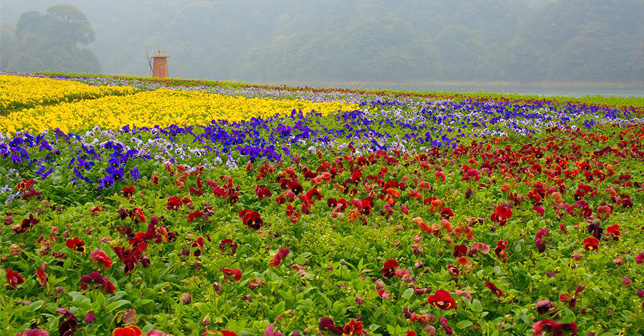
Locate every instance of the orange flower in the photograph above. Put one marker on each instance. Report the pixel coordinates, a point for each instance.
(127, 331)
(465, 231)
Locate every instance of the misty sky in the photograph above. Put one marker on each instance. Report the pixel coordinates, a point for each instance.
(334, 41)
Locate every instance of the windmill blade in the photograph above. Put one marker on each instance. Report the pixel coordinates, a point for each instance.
(149, 63)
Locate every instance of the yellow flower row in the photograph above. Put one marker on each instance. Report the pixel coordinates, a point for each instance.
(161, 107)
(18, 92)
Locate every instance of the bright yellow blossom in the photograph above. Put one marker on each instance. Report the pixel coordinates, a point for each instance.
(161, 107)
(17, 92)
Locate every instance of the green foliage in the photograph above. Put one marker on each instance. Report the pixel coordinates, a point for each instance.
(51, 42)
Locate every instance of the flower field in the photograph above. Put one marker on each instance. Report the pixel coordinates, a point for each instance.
(135, 207)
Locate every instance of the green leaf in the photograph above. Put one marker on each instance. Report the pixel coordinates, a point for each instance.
(463, 324)
(477, 306)
(115, 305)
(518, 246)
(568, 317)
(408, 293)
(37, 304)
(279, 307)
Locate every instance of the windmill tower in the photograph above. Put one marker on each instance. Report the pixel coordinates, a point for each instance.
(158, 65)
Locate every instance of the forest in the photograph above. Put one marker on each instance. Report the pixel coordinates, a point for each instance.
(343, 41)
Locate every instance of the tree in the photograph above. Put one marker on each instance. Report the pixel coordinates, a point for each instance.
(51, 42)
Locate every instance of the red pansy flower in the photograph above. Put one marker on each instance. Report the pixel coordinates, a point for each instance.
(128, 192)
(447, 213)
(102, 258)
(352, 328)
(441, 300)
(591, 244)
(313, 195)
(228, 244)
(194, 215)
(326, 323)
(460, 250)
(95, 279)
(174, 203)
(389, 268)
(262, 191)
(495, 290)
(13, 278)
(42, 276)
(26, 224)
(571, 299)
(236, 273)
(279, 256)
(251, 219)
(556, 327)
(24, 185)
(613, 230)
(76, 244)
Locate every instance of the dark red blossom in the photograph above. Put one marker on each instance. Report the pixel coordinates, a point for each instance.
(544, 306)
(251, 219)
(195, 215)
(389, 268)
(26, 224)
(539, 239)
(42, 276)
(441, 300)
(352, 328)
(198, 246)
(76, 244)
(31, 193)
(128, 192)
(571, 299)
(327, 324)
(448, 330)
(235, 274)
(557, 328)
(13, 278)
(447, 213)
(501, 245)
(613, 230)
(262, 191)
(228, 244)
(313, 196)
(174, 203)
(131, 257)
(501, 215)
(24, 185)
(94, 279)
(68, 323)
(102, 258)
(494, 289)
(279, 256)
(591, 244)
(460, 250)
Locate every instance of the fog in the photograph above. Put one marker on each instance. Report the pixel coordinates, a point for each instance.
(335, 42)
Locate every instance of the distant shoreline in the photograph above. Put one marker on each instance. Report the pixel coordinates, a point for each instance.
(509, 84)
(574, 88)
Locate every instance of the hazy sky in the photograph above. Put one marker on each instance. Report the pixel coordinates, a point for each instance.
(335, 41)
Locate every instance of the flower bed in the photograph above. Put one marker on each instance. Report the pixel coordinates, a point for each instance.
(394, 216)
(18, 92)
